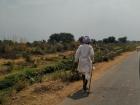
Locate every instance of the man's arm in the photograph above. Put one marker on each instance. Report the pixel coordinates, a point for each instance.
(92, 54)
(77, 54)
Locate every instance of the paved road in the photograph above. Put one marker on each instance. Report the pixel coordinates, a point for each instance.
(118, 86)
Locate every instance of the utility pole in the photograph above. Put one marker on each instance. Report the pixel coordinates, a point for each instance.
(138, 50)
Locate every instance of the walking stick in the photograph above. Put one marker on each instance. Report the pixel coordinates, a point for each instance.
(91, 73)
(90, 79)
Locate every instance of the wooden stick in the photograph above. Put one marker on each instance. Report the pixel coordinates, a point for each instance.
(90, 79)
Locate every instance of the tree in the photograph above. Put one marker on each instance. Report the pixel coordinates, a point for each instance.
(110, 39)
(122, 39)
(93, 41)
(61, 38)
(105, 40)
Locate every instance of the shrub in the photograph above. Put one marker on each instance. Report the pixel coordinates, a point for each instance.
(98, 57)
(2, 100)
(20, 85)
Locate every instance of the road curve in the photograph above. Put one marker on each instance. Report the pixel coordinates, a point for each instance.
(119, 86)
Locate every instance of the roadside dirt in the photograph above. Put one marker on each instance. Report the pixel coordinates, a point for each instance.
(53, 92)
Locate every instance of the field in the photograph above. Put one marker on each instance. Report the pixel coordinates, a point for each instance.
(28, 66)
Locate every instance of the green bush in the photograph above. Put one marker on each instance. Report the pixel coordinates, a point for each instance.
(8, 82)
(20, 85)
(2, 100)
(34, 75)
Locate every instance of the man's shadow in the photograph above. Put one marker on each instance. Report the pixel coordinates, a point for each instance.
(79, 95)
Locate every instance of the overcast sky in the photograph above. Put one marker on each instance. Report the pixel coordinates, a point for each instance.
(37, 19)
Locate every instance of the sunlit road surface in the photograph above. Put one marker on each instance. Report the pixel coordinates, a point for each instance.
(119, 86)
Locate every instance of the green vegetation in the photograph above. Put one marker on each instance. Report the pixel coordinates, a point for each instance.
(24, 64)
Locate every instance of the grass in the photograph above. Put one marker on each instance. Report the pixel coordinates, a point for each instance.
(57, 68)
(31, 75)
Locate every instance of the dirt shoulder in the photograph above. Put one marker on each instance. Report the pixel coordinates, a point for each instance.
(53, 92)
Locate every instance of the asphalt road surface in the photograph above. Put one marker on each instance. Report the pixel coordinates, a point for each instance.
(119, 86)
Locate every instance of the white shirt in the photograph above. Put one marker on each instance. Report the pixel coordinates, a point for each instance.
(85, 56)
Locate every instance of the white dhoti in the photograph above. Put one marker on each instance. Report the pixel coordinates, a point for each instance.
(85, 67)
(84, 55)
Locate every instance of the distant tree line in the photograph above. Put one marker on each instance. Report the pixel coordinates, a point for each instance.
(112, 39)
(58, 42)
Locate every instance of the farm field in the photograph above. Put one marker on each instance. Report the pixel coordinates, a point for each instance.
(26, 64)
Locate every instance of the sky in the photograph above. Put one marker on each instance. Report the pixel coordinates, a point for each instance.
(38, 19)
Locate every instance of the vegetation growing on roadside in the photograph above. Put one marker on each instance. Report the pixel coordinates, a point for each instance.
(38, 64)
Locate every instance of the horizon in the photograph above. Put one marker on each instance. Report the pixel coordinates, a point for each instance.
(37, 20)
(23, 39)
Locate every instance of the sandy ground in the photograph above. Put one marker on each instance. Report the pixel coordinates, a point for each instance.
(44, 94)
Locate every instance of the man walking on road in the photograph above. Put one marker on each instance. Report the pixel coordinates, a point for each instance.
(84, 57)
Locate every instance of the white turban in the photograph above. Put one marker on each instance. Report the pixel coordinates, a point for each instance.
(86, 39)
